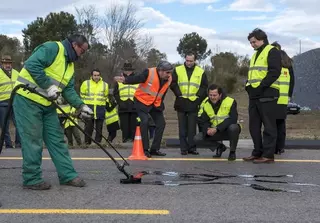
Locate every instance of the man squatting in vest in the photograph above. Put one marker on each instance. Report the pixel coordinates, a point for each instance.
(148, 99)
(8, 76)
(50, 71)
(286, 82)
(94, 93)
(218, 121)
(69, 128)
(189, 84)
(263, 90)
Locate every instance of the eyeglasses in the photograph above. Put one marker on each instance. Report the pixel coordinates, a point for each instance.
(82, 50)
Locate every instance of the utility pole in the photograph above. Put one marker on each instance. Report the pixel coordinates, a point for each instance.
(300, 46)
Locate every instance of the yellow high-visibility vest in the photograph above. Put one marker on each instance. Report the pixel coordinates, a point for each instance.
(7, 84)
(223, 113)
(59, 74)
(126, 91)
(94, 93)
(284, 83)
(70, 111)
(111, 117)
(189, 88)
(258, 70)
(201, 106)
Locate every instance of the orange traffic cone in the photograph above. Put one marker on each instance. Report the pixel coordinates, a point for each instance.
(137, 150)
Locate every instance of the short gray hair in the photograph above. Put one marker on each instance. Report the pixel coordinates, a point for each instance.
(164, 65)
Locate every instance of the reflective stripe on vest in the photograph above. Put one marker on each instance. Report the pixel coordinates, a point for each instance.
(222, 114)
(284, 83)
(95, 94)
(111, 117)
(149, 92)
(259, 68)
(6, 85)
(126, 91)
(57, 72)
(189, 88)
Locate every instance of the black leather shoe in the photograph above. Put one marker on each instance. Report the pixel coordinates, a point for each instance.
(232, 156)
(157, 153)
(220, 149)
(193, 152)
(147, 153)
(184, 153)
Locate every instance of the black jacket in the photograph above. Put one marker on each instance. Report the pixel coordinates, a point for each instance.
(274, 70)
(282, 109)
(204, 119)
(292, 82)
(111, 104)
(184, 104)
(141, 78)
(123, 106)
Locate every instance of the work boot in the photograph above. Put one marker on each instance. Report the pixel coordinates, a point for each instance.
(157, 153)
(232, 156)
(250, 158)
(279, 151)
(220, 149)
(39, 186)
(147, 153)
(193, 152)
(263, 160)
(76, 182)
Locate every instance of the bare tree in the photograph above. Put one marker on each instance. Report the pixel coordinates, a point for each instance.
(89, 22)
(115, 37)
(144, 45)
(122, 33)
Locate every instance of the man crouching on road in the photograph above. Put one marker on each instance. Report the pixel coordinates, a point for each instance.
(219, 122)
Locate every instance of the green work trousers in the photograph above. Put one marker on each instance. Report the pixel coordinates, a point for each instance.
(37, 123)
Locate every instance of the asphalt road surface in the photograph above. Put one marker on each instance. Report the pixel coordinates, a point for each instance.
(174, 188)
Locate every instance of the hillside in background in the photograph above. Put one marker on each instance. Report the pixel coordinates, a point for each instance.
(307, 75)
